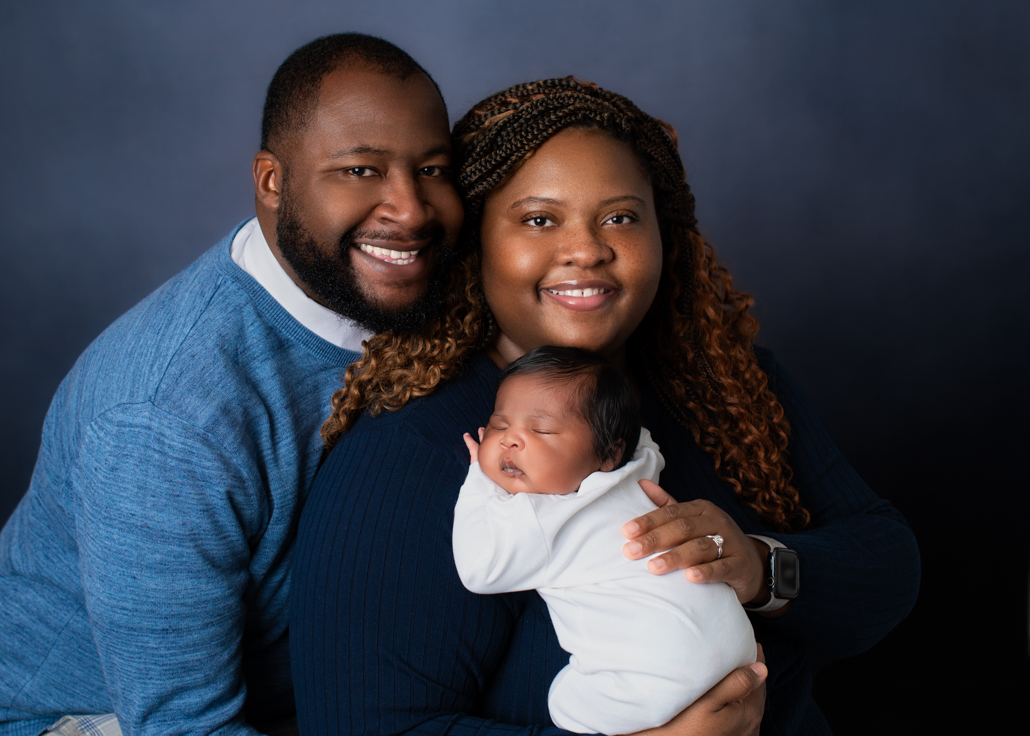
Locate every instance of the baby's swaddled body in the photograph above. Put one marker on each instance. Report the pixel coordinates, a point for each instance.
(643, 646)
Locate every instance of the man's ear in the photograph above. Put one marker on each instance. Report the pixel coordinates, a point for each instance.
(614, 457)
(268, 177)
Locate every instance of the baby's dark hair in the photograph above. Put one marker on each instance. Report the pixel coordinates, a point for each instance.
(606, 399)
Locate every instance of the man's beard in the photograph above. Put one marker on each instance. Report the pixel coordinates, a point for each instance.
(331, 277)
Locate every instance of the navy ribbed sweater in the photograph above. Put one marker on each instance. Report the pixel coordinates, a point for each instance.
(385, 640)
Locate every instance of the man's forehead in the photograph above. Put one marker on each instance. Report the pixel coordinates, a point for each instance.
(361, 109)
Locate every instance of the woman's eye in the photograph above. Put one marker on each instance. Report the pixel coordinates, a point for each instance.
(621, 219)
(538, 221)
(432, 171)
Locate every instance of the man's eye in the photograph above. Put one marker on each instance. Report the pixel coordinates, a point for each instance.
(432, 171)
(361, 171)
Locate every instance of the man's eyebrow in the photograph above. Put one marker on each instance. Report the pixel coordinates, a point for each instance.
(365, 150)
(440, 150)
(534, 200)
(359, 151)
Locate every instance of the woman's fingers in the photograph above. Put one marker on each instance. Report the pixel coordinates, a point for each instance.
(654, 492)
(697, 551)
(683, 534)
(671, 526)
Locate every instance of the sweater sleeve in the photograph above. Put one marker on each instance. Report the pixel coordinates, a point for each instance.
(498, 544)
(164, 565)
(859, 562)
(384, 638)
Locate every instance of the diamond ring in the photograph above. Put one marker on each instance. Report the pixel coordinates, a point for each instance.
(717, 538)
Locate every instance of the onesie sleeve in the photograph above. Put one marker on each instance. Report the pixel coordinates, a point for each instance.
(859, 561)
(164, 555)
(384, 637)
(499, 546)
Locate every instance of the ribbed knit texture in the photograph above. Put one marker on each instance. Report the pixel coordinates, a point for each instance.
(146, 570)
(385, 639)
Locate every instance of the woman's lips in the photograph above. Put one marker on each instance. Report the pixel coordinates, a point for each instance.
(580, 296)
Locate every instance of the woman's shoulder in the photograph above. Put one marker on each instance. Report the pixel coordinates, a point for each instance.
(457, 406)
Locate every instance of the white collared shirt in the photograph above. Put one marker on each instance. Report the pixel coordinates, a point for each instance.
(250, 251)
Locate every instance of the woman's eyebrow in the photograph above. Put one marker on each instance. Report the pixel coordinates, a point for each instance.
(623, 198)
(534, 200)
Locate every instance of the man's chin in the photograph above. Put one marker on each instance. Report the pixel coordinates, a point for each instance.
(405, 314)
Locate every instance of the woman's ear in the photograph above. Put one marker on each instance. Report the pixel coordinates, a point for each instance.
(613, 457)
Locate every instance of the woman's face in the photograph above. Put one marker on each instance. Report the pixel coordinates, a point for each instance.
(571, 249)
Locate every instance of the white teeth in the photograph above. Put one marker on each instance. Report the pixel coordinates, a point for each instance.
(397, 257)
(579, 292)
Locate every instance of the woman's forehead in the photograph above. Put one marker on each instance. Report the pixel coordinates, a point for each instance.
(576, 165)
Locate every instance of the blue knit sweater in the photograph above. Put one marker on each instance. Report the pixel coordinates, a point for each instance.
(146, 570)
(387, 641)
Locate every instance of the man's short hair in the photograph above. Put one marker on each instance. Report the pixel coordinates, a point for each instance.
(606, 400)
(293, 92)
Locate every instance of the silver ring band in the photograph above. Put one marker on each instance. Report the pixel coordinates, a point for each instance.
(717, 538)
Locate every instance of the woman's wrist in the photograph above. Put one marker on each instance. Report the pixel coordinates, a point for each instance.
(764, 603)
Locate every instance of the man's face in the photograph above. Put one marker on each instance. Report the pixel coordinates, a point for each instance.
(368, 209)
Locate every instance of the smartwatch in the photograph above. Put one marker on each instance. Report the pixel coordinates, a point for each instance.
(784, 577)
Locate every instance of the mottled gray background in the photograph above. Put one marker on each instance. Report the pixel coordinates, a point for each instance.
(861, 167)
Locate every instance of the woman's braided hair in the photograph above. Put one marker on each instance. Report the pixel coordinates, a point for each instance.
(697, 336)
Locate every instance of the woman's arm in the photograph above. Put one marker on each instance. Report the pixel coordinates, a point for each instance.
(859, 562)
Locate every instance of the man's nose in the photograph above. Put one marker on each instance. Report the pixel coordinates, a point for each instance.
(404, 203)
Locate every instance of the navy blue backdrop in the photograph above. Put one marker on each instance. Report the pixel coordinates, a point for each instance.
(862, 169)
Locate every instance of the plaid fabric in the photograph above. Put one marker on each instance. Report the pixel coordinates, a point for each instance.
(99, 725)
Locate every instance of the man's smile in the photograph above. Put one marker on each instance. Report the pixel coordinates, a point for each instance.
(388, 255)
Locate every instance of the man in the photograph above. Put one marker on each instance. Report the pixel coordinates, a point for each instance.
(145, 573)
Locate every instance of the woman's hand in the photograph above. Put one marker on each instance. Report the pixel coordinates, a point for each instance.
(681, 528)
(734, 707)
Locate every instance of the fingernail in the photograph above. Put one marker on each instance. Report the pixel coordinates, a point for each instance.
(694, 574)
(759, 669)
(631, 528)
(657, 564)
(634, 548)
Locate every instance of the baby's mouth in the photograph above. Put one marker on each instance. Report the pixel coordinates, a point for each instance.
(511, 469)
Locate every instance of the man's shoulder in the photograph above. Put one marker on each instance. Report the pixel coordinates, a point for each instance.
(133, 353)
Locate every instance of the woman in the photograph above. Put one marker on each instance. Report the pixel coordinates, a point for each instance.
(580, 231)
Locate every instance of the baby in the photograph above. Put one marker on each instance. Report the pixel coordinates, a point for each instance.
(547, 493)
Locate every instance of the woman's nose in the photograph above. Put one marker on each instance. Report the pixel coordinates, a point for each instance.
(583, 246)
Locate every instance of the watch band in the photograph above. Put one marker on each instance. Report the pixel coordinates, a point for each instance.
(774, 603)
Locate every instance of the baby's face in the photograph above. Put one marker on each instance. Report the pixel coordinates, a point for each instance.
(537, 441)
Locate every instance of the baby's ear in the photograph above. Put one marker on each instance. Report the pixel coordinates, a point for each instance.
(614, 457)
(482, 431)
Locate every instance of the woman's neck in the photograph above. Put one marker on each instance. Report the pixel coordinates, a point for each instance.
(504, 351)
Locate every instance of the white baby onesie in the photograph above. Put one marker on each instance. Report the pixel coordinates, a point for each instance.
(643, 646)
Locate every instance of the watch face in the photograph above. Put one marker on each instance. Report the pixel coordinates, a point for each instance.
(785, 573)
